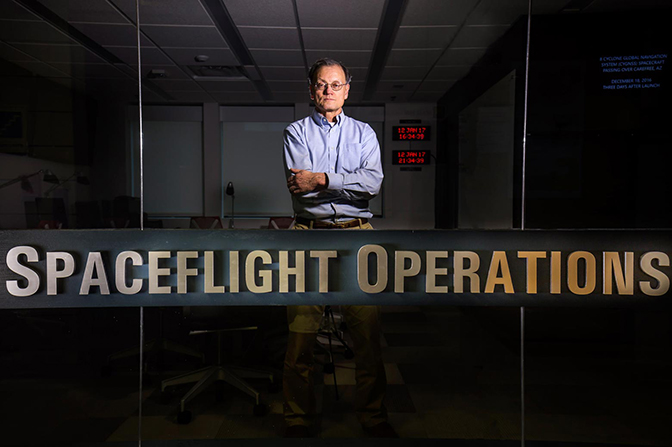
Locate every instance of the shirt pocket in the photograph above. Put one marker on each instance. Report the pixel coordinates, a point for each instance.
(350, 155)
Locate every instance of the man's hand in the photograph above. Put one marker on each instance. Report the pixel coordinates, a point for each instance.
(301, 181)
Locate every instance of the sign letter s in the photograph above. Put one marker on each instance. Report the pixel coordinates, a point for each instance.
(20, 269)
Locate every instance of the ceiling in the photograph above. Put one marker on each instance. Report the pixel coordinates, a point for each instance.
(397, 50)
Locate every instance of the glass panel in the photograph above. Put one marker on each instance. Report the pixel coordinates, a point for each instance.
(61, 373)
(481, 119)
(486, 146)
(172, 149)
(442, 364)
(597, 143)
(598, 134)
(64, 136)
(67, 81)
(459, 367)
(597, 376)
(189, 343)
(206, 53)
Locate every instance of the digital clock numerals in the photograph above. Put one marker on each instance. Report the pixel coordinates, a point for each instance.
(411, 157)
(411, 133)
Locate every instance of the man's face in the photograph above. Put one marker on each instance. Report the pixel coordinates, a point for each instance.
(326, 99)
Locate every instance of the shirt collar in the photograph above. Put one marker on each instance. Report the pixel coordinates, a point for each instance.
(321, 121)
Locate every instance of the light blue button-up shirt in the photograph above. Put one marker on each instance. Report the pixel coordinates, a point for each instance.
(348, 152)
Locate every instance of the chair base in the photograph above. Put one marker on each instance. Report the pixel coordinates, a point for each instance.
(204, 377)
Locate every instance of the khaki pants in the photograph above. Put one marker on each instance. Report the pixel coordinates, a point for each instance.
(298, 386)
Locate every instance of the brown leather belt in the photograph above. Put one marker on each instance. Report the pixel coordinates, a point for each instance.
(311, 223)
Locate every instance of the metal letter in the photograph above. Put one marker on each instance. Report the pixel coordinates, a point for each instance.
(94, 262)
(573, 274)
(234, 271)
(265, 275)
(323, 266)
(120, 273)
(30, 275)
(532, 257)
(52, 269)
(556, 265)
(363, 268)
(433, 272)
(498, 262)
(183, 271)
(649, 269)
(611, 267)
(461, 272)
(400, 272)
(299, 270)
(155, 272)
(209, 276)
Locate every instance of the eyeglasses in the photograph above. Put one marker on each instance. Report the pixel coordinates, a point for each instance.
(336, 86)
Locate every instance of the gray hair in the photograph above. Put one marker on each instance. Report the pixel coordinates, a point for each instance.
(326, 62)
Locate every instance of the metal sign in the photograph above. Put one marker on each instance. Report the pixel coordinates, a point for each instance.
(111, 268)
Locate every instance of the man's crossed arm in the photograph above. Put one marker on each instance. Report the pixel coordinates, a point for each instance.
(302, 181)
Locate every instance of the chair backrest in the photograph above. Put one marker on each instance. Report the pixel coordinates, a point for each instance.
(52, 208)
(49, 225)
(119, 222)
(280, 223)
(206, 222)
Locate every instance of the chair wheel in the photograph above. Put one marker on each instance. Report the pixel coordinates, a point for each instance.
(329, 368)
(259, 410)
(184, 417)
(348, 354)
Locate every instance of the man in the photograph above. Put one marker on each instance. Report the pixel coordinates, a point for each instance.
(334, 169)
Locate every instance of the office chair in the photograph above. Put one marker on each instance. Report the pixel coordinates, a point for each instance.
(206, 223)
(49, 225)
(52, 209)
(209, 320)
(280, 223)
(153, 349)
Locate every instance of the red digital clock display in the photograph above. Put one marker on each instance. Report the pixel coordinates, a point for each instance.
(410, 133)
(412, 158)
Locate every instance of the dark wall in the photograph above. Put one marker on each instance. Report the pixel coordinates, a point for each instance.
(596, 157)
